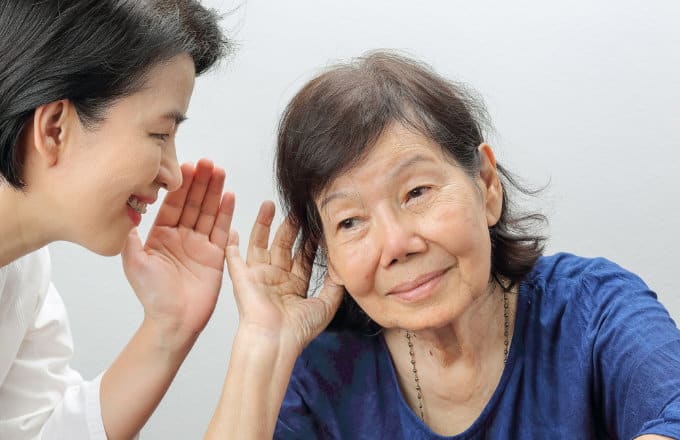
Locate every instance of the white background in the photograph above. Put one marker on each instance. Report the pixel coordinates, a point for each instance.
(583, 95)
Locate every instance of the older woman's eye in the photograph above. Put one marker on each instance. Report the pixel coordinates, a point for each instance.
(417, 192)
(348, 223)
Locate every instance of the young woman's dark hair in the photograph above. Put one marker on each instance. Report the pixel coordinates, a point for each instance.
(333, 122)
(91, 52)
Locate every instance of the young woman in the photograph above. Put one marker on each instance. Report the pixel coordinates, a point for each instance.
(91, 96)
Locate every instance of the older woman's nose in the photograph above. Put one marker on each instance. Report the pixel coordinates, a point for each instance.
(400, 238)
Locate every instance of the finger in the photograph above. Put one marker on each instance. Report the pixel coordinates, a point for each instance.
(173, 204)
(304, 262)
(282, 245)
(194, 199)
(329, 300)
(211, 202)
(331, 294)
(233, 255)
(220, 231)
(258, 244)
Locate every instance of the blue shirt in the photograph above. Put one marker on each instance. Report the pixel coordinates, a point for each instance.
(594, 355)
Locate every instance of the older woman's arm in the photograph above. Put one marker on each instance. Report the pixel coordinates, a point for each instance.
(636, 355)
(276, 322)
(259, 370)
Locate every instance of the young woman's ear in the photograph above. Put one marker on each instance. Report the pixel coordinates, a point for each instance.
(492, 188)
(50, 128)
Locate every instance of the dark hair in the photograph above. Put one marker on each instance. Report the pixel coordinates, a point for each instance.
(91, 52)
(332, 123)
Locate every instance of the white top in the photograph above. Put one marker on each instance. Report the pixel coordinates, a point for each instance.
(41, 397)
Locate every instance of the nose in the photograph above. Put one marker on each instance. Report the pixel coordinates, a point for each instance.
(170, 174)
(399, 236)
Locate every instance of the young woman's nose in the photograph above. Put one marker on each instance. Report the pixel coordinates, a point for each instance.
(170, 175)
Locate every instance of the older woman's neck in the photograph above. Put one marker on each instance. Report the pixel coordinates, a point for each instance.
(470, 337)
(21, 230)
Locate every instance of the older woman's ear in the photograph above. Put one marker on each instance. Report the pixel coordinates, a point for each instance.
(491, 184)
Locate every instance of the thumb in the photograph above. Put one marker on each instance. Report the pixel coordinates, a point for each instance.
(132, 252)
(331, 295)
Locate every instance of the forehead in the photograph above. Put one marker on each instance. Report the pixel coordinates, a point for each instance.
(397, 147)
(396, 151)
(165, 94)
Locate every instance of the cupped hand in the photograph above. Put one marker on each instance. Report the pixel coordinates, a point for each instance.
(271, 285)
(177, 273)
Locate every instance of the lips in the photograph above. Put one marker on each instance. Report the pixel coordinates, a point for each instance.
(423, 282)
(137, 205)
(140, 203)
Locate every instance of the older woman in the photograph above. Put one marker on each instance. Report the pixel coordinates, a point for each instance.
(451, 324)
(91, 96)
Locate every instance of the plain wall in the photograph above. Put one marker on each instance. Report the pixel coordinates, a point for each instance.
(583, 95)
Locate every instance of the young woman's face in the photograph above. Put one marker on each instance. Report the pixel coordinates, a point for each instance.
(406, 232)
(112, 171)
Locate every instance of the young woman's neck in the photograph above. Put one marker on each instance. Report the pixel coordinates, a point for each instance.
(21, 228)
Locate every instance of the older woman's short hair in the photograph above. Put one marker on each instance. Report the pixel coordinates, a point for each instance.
(91, 52)
(333, 122)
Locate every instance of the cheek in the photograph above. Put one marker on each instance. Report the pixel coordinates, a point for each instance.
(463, 233)
(354, 265)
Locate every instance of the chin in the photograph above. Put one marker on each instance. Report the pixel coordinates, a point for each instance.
(109, 247)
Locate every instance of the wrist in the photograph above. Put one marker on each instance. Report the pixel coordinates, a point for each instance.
(168, 338)
(267, 339)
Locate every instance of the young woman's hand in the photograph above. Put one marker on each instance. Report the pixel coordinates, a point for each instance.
(177, 273)
(271, 286)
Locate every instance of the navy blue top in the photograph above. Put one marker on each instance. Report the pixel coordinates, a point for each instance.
(594, 355)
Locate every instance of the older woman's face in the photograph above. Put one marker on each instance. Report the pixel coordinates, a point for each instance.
(407, 231)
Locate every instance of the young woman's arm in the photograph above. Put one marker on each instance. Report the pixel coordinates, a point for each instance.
(177, 276)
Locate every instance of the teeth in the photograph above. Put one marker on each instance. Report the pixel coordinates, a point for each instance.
(134, 203)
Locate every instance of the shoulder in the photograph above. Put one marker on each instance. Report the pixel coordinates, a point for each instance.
(26, 279)
(564, 275)
(568, 291)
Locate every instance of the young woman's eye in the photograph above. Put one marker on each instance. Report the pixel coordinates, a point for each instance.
(417, 192)
(348, 223)
(160, 136)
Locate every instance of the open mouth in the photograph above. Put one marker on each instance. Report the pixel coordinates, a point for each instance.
(137, 205)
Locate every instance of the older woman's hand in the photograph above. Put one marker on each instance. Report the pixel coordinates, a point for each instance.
(177, 274)
(271, 286)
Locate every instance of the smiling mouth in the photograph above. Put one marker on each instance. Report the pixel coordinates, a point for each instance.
(137, 205)
(421, 281)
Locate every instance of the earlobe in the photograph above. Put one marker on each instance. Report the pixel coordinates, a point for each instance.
(488, 173)
(49, 130)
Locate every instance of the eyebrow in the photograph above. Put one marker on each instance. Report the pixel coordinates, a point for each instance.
(418, 158)
(392, 175)
(176, 116)
(334, 196)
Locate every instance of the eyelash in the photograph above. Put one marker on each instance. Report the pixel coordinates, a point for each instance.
(347, 223)
(419, 190)
(160, 136)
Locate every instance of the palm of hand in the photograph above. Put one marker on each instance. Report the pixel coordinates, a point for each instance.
(177, 274)
(271, 286)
